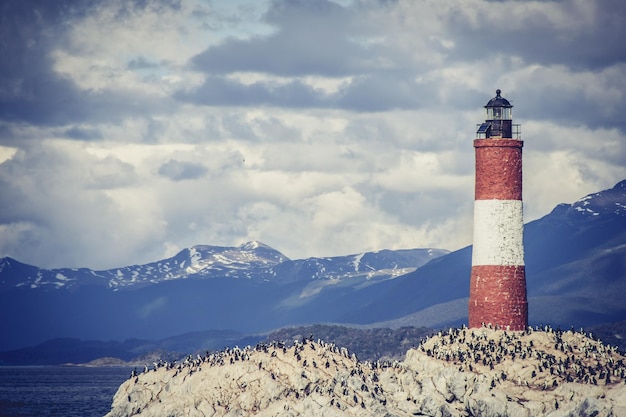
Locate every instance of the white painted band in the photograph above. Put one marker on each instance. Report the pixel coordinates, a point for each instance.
(498, 233)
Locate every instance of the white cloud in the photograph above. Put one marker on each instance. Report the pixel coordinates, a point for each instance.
(319, 128)
(6, 153)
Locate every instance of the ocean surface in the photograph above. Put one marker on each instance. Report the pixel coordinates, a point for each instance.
(68, 391)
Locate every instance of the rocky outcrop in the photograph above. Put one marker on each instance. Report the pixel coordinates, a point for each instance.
(462, 372)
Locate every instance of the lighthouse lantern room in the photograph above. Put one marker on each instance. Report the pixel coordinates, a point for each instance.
(498, 122)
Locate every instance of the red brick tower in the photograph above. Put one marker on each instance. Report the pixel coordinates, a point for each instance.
(498, 281)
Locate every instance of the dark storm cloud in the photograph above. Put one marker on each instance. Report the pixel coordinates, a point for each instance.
(581, 35)
(312, 38)
(179, 170)
(369, 93)
(323, 38)
(218, 90)
(50, 100)
(82, 133)
(30, 90)
(576, 48)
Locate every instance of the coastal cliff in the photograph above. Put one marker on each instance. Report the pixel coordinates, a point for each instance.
(460, 372)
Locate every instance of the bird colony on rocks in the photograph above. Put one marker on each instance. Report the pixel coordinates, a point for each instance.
(459, 372)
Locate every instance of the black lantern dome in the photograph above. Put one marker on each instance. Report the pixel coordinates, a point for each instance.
(498, 121)
(498, 101)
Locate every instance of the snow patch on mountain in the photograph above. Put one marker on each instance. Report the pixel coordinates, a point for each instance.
(253, 245)
(194, 262)
(357, 261)
(251, 261)
(62, 277)
(607, 202)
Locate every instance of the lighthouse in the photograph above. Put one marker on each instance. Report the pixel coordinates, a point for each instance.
(498, 278)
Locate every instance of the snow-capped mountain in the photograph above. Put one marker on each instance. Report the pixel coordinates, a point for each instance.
(253, 261)
(250, 260)
(611, 202)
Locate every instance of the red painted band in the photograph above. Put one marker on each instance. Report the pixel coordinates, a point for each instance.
(498, 169)
(498, 297)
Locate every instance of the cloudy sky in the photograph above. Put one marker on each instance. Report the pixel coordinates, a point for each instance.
(132, 129)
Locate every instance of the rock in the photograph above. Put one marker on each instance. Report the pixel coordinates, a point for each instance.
(480, 372)
(486, 405)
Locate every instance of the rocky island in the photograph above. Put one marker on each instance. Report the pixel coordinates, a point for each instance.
(459, 372)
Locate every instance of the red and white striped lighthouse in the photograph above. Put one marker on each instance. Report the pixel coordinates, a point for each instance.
(498, 280)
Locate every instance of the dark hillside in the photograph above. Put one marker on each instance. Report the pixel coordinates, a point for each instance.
(368, 344)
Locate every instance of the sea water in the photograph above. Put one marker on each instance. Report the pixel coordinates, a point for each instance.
(68, 391)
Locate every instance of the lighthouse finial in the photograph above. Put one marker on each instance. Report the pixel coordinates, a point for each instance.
(498, 92)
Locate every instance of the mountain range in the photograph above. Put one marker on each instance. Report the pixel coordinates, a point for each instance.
(253, 261)
(249, 288)
(575, 268)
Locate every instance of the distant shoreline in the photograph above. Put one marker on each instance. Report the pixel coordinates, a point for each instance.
(106, 362)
